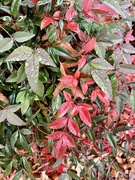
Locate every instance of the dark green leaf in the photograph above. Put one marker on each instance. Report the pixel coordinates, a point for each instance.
(21, 75)
(26, 131)
(119, 170)
(24, 143)
(73, 175)
(123, 128)
(13, 139)
(12, 77)
(56, 164)
(30, 176)
(111, 139)
(91, 135)
(61, 52)
(56, 103)
(26, 164)
(119, 105)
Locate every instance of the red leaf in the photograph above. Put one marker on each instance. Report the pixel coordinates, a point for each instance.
(81, 62)
(63, 109)
(67, 96)
(93, 95)
(55, 136)
(61, 168)
(70, 13)
(90, 45)
(85, 85)
(45, 22)
(86, 5)
(45, 150)
(68, 140)
(73, 26)
(34, 1)
(75, 111)
(56, 15)
(67, 78)
(104, 9)
(60, 149)
(58, 123)
(85, 116)
(73, 127)
(86, 106)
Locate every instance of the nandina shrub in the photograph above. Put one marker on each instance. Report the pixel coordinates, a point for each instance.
(69, 67)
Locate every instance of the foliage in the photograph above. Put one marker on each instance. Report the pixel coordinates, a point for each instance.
(67, 96)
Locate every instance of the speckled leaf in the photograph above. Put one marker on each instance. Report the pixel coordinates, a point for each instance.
(5, 44)
(103, 81)
(32, 70)
(100, 63)
(100, 50)
(127, 68)
(20, 54)
(44, 57)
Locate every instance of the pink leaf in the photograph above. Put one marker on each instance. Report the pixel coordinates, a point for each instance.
(66, 79)
(86, 5)
(129, 37)
(81, 62)
(67, 96)
(68, 140)
(55, 136)
(60, 149)
(58, 123)
(93, 95)
(90, 45)
(85, 116)
(104, 9)
(45, 22)
(73, 26)
(63, 109)
(73, 127)
(86, 106)
(85, 85)
(70, 13)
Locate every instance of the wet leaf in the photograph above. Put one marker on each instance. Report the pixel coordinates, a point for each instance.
(61, 52)
(103, 81)
(14, 138)
(100, 63)
(20, 54)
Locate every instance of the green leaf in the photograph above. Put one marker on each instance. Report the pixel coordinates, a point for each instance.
(73, 175)
(132, 100)
(20, 54)
(14, 119)
(13, 108)
(44, 57)
(26, 131)
(49, 91)
(52, 34)
(21, 75)
(26, 164)
(15, 6)
(56, 103)
(61, 52)
(17, 175)
(40, 89)
(22, 36)
(12, 77)
(32, 71)
(5, 8)
(20, 96)
(24, 143)
(100, 63)
(103, 81)
(25, 104)
(119, 170)
(13, 139)
(127, 68)
(8, 169)
(111, 139)
(128, 48)
(100, 50)
(5, 44)
(30, 176)
(56, 164)
(64, 176)
(123, 128)
(91, 136)
(1, 154)
(119, 105)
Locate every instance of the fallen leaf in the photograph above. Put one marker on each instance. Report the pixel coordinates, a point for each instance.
(70, 49)
(3, 98)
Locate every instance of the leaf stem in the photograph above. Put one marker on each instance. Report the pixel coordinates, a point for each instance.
(9, 35)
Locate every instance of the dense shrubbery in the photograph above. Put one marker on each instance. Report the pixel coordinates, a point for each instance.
(67, 89)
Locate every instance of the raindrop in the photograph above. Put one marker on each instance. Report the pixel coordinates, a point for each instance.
(27, 64)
